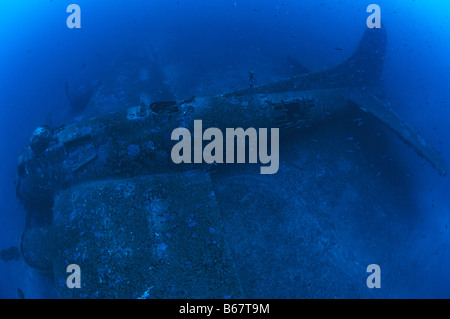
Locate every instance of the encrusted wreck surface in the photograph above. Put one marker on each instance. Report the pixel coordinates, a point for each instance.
(155, 236)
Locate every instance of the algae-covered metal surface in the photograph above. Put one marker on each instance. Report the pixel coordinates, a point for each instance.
(157, 236)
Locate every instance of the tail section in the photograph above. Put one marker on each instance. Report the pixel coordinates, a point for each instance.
(363, 68)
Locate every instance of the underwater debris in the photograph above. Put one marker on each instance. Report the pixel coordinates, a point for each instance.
(251, 78)
(11, 253)
(40, 139)
(79, 98)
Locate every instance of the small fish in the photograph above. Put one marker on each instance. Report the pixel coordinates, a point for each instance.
(83, 65)
(29, 51)
(338, 49)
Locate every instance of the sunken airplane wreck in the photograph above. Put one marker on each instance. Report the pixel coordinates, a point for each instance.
(104, 194)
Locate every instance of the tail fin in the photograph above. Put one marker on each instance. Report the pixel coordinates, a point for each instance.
(370, 104)
(363, 68)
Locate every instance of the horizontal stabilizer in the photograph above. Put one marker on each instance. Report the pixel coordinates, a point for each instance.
(370, 104)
